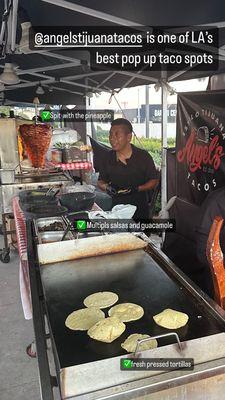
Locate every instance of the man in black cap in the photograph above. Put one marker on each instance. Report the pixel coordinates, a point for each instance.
(129, 172)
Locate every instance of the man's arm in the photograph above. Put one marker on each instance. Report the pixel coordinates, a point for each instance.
(102, 185)
(148, 185)
(151, 174)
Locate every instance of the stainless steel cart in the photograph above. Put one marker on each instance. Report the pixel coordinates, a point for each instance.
(90, 370)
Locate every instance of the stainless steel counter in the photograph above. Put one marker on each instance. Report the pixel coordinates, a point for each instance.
(90, 370)
(7, 192)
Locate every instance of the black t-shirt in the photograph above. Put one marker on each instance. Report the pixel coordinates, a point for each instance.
(140, 168)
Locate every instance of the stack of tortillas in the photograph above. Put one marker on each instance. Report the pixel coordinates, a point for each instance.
(93, 318)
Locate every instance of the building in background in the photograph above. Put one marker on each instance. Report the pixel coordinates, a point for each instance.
(130, 103)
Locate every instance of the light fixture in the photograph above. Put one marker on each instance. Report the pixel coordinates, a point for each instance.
(9, 76)
(40, 90)
(70, 106)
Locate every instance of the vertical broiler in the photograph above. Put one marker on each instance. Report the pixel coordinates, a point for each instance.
(23, 148)
(19, 140)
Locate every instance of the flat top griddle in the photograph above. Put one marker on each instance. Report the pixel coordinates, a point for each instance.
(136, 278)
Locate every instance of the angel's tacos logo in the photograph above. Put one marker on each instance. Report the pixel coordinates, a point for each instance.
(199, 151)
(203, 151)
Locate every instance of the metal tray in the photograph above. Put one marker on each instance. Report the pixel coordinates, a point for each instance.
(40, 222)
(53, 236)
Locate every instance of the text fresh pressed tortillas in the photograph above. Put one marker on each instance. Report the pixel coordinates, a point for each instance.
(83, 319)
(126, 312)
(130, 343)
(107, 330)
(171, 319)
(101, 299)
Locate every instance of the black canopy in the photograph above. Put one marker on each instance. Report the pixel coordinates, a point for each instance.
(76, 78)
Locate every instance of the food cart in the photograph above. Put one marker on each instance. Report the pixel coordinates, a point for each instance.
(19, 174)
(88, 369)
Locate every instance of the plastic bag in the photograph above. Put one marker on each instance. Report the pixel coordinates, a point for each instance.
(120, 211)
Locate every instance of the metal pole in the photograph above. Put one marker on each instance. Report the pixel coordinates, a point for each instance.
(147, 111)
(138, 111)
(164, 142)
(4, 19)
(9, 33)
(88, 107)
(38, 316)
(14, 25)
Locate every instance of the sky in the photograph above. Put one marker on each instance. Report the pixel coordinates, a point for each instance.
(131, 97)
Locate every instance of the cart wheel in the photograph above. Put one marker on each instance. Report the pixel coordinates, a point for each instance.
(4, 256)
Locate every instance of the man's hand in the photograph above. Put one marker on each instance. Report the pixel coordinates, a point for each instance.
(107, 187)
(111, 190)
(129, 190)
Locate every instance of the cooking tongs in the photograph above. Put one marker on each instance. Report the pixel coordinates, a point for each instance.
(69, 226)
(52, 191)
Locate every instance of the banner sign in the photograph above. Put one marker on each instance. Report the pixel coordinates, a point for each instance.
(155, 113)
(200, 144)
